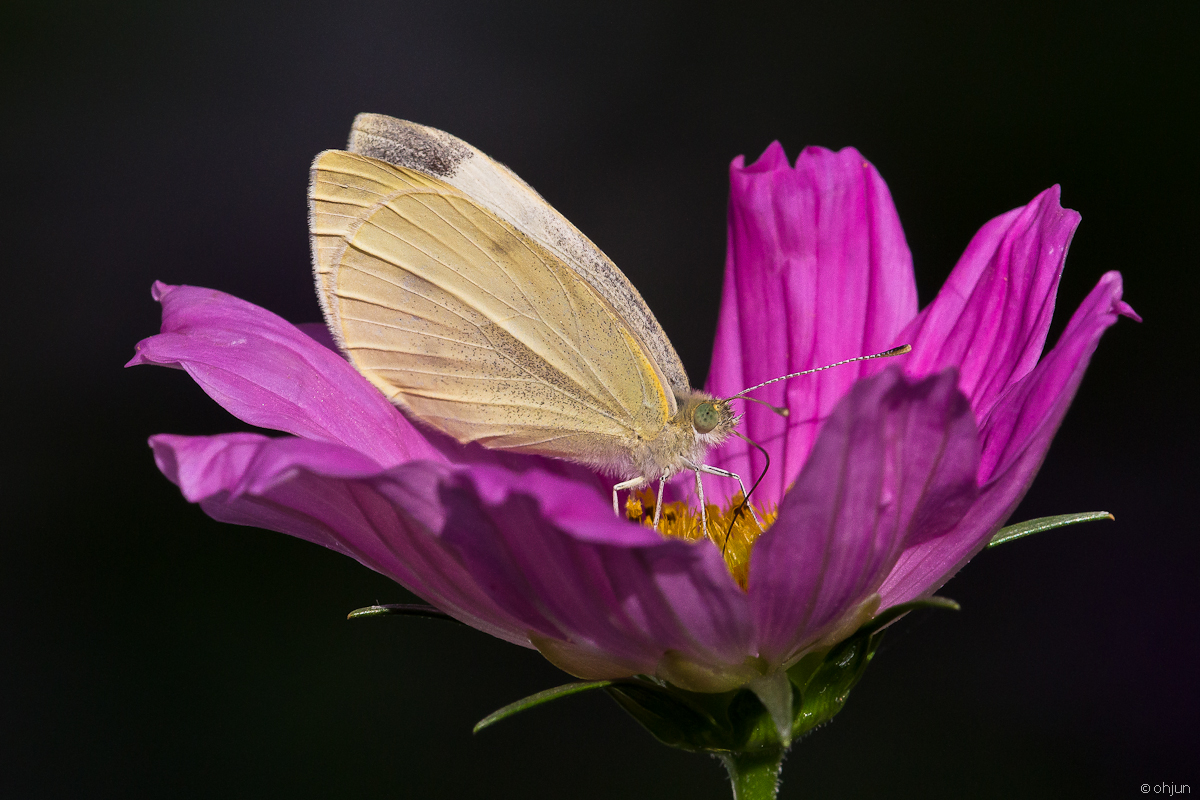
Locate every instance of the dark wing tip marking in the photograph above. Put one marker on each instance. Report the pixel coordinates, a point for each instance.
(406, 144)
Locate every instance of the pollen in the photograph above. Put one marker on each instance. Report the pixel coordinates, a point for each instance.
(731, 528)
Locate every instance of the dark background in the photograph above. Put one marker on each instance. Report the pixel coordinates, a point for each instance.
(149, 651)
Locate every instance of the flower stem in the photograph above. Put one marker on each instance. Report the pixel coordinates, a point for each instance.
(755, 776)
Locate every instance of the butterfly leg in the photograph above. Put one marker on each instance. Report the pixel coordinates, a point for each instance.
(727, 474)
(662, 482)
(703, 510)
(629, 484)
(700, 494)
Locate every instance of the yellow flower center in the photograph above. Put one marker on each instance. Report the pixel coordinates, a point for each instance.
(731, 528)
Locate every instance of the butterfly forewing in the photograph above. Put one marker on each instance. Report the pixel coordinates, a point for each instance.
(498, 189)
(473, 325)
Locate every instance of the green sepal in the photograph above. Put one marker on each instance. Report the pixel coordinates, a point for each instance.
(1023, 529)
(401, 610)
(538, 699)
(694, 721)
(822, 681)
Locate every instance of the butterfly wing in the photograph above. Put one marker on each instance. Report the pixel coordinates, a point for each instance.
(471, 324)
(498, 189)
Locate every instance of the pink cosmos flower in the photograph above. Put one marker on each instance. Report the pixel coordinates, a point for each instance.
(888, 478)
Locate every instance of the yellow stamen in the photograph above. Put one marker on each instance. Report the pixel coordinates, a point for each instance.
(633, 507)
(681, 521)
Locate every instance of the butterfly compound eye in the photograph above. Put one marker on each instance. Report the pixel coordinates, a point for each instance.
(705, 417)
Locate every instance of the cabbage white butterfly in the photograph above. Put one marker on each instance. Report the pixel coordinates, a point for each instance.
(480, 310)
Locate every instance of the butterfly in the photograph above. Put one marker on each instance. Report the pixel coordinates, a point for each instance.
(479, 310)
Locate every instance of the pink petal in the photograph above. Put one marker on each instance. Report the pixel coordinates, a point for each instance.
(326, 494)
(1015, 437)
(267, 373)
(555, 555)
(319, 333)
(513, 554)
(894, 466)
(817, 271)
(991, 317)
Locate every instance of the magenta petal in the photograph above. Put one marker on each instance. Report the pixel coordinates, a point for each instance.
(991, 317)
(202, 466)
(552, 553)
(329, 495)
(894, 465)
(1016, 436)
(319, 333)
(817, 271)
(513, 554)
(265, 371)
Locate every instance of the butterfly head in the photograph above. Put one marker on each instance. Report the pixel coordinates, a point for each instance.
(712, 419)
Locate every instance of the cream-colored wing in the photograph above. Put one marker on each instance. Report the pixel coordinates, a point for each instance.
(498, 189)
(471, 325)
(337, 202)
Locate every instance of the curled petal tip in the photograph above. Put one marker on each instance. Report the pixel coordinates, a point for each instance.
(1116, 282)
(159, 290)
(1126, 310)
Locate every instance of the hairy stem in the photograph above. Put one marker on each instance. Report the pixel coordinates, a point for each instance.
(755, 776)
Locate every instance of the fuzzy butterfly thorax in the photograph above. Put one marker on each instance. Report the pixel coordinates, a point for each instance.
(687, 437)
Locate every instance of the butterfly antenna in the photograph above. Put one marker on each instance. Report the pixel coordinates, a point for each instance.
(895, 351)
(746, 500)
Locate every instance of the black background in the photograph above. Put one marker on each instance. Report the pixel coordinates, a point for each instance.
(149, 651)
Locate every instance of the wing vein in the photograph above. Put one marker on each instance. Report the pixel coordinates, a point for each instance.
(485, 254)
(575, 316)
(415, 332)
(563, 336)
(584, 395)
(388, 260)
(584, 399)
